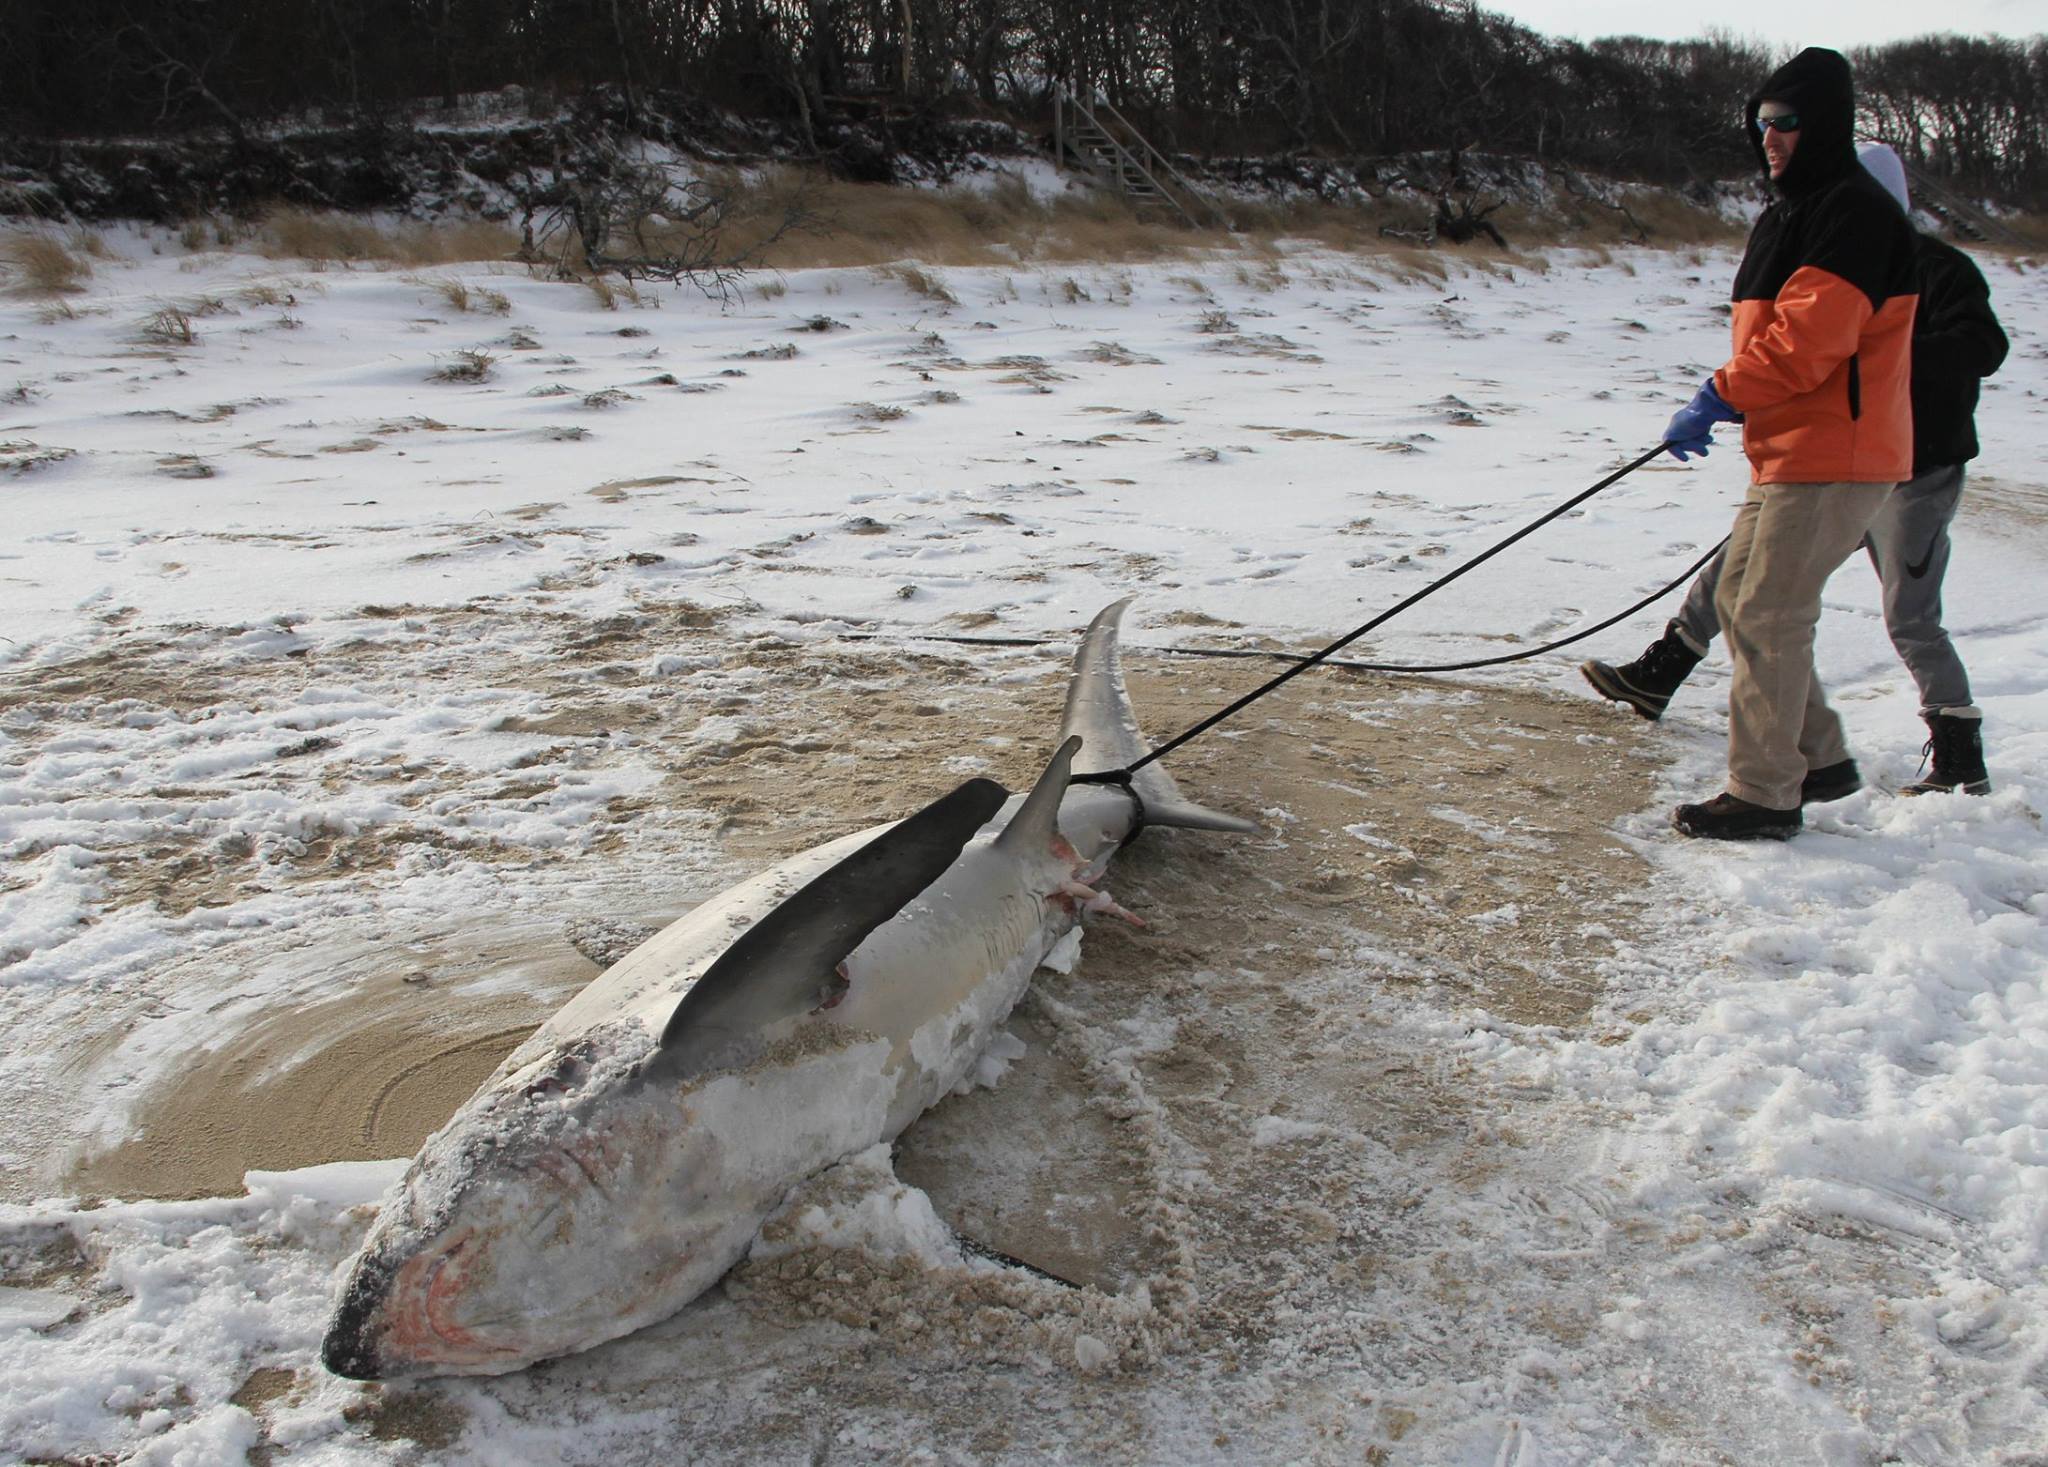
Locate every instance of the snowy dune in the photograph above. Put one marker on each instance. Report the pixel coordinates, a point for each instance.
(350, 719)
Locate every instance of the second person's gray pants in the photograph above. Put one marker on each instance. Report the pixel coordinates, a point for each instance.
(1909, 546)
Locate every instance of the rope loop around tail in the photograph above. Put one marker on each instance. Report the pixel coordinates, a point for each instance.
(1119, 779)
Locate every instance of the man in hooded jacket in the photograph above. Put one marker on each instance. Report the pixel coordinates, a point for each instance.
(1957, 342)
(1819, 380)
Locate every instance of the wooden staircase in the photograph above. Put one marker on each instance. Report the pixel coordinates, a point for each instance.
(1099, 141)
(1962, 218)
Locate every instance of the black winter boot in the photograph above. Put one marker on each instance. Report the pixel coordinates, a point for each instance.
(1646, 684)
(1956, 743)
(1830, 782)
(1727, 818)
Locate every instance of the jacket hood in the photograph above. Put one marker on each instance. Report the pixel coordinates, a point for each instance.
(1882, 164)
(1818, 85)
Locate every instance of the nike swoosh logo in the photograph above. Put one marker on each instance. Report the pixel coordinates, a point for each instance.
(1917, 571)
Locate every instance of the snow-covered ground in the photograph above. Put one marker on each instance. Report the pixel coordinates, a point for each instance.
(348, 715)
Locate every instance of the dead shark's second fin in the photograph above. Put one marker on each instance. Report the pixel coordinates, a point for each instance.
(1037, 820)
(785, 965)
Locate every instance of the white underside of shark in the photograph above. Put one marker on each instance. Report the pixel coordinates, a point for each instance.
(622, 1159)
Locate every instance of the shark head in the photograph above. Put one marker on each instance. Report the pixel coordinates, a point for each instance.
(564, 1207)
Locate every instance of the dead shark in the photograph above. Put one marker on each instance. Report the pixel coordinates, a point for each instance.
(624, 1157)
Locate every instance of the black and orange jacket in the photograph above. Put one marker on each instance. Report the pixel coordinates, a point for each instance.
(1824, 303)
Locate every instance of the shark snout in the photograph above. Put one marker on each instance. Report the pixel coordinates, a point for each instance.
(350, 1347)
(393, 1319)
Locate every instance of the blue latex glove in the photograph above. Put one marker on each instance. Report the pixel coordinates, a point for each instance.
(1692, 426)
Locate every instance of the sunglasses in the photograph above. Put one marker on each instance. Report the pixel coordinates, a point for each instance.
(1784, 122)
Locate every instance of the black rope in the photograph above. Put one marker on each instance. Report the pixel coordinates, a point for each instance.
(1303, 664)
(1348, 664)
(1395, 610)
(1522, 656)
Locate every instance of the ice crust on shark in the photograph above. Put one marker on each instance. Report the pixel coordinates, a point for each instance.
(620, 1160)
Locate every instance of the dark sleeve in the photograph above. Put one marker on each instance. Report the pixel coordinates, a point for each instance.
(1858, 236)
(1955, 333)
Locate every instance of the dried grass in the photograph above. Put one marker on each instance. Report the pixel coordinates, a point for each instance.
(469, 365)
(170, 326)
(881, 226)
(42, 264)
(460, 295)
(920, 282)
(454, 293)
(1411, 264)
(215, 232)
(322, 237)
(271, 293)
(1660, 219)
(611, 289)
(913, 233)
(2029, 231)
(878, 225)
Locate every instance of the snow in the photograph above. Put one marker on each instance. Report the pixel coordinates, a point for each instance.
(1791, 1172)
(882, 1216)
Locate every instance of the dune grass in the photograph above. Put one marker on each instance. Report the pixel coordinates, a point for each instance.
(998, 223)
(322, 237)
(1005, 224)
(36, 263)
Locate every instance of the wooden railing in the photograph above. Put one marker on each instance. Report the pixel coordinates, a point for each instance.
(1102, 142)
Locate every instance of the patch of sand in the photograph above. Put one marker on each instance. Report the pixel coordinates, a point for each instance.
(2003, 506)
(362, 1076)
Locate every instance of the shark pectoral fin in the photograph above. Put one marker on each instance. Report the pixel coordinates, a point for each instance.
(787, 964)
(1037, 821)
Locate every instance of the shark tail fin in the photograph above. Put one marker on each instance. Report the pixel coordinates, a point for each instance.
(1099, 709)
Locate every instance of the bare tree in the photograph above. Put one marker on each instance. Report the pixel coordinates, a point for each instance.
(1352, 77)
(617, 207)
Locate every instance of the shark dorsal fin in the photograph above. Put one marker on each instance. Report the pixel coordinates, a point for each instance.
(1037, 821)
(785, 964)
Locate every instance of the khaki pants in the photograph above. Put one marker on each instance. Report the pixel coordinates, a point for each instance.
(1788, 539)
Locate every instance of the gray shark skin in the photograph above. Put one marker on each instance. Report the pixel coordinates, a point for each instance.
(622, 1159)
